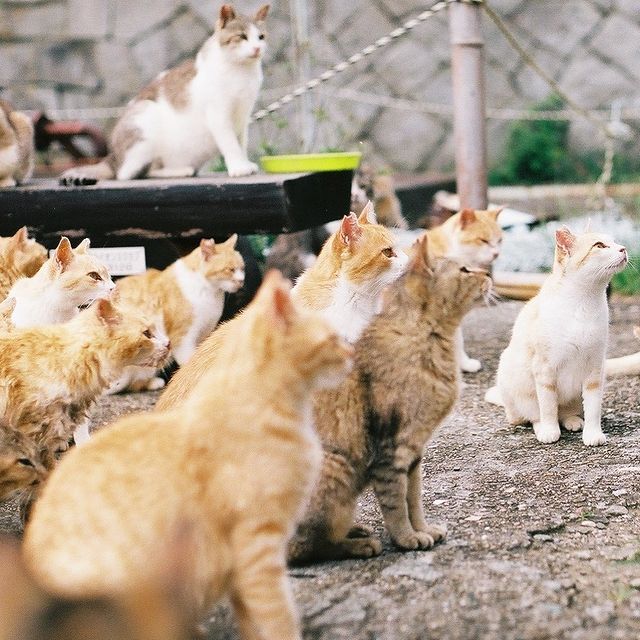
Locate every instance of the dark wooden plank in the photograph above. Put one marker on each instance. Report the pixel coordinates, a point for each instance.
(211, 205)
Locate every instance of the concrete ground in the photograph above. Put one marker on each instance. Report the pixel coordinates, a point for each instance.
(544, 540)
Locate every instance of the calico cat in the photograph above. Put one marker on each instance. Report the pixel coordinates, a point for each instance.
(236, 462)
(27, 612)
(373, 428)
(71, 278)
(16, 146)
(187, 298)
(21, 462)
(188, 114)
(473, 237)
(552, 371)
(345, 285)
(624, 365)
(51, 375)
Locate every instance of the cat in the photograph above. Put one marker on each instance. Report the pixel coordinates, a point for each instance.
(153, 612)
(355, 265)
(187, 298)
(20, 257)
(69, 279)
(177, 123)
(51, 375)
(345, 285)
(292, 253)
(17, 149)
(22, 464)
(236, 462)
(624, 365)
(473, 237)
(552, 371)
(386, 203)
(373, 428)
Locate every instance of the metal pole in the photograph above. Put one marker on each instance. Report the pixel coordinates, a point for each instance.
(469, 122)
(300, 29)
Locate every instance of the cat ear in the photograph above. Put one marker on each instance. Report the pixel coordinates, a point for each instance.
(494, 213)
(207, 248)
(261, 14)
(350, 230)
(367, 215)
(565, 241)
(231, 242)
(467, 217)
(278, 296)
(106, 312)
(63, 254)
(226, 13)
(19, 238)
(83, 246)
(421, 262)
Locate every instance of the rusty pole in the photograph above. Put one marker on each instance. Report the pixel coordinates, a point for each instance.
(469, 123)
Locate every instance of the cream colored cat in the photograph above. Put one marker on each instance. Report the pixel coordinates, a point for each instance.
(235, 463)
(552, 372)
(472, 237)
(345, 285)
(16, 146)
(22, 462)
(187, 298)
(51, 375)
(20, 257)
(193, 111)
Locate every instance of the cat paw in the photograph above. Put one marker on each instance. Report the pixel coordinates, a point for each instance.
(242, 169)
(7, 182)
(77, 181)
(593, 438)
(547, 432)
(436, 531)
(155, 383)
(415, 540)
(470, 365)
(359, 531)
(573, 423)
(362, 547)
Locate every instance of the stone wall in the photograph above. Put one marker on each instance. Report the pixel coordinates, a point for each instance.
(61, 54)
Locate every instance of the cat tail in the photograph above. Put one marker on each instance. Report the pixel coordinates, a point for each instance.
(624, 366)
(493, 396)
(88, 173)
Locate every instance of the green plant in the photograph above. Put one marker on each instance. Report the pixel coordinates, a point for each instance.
(627, 282)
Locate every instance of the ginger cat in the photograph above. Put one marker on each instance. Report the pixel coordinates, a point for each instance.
(51, 375)
(373, 428)
(187, 298)
(71, 278)
(236, 462)
(20, 257)
(191, 112)
(21, 462)
(345, 285)
(28, 612)
(16, 146)
(552, 372)
(472, 237)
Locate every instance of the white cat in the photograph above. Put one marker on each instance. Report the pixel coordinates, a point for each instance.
(191, 112)
(552, 370)
(71, 278)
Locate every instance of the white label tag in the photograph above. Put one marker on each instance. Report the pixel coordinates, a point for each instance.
(120, 261)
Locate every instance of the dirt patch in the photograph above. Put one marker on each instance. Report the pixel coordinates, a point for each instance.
(544, 540)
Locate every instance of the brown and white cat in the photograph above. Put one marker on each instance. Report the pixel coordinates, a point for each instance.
(69, 279)
(552, 371)
(472, 237)
(345, 285)
(22, 462)
(20, 257)
(187, 299)
(27, 612)
(236, 462)
(51, 375)
(16, 146)
(374, 427)
(188, 114)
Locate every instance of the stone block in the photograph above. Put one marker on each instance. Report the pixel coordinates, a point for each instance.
(69, 63)
(87, 19)
(619, 41)
(32, 96)
(133, 18)
(120, 76)
(33, 21)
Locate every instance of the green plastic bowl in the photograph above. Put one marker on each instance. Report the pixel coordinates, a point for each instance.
(311, 162)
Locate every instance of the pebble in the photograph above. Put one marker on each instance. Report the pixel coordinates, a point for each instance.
(616, 510)
(542, 537)
(583, 530)
(588, 523)
(635, 583)
(438, 502)
(583, 555)
(620, 492)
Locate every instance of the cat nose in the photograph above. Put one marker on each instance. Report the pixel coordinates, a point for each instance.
(623, 249)
(256, 51)
(167, 344)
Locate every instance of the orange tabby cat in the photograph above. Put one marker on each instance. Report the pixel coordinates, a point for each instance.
(51, 375)
(71, 278)
(21, 462)
(20, 257)
(236, 462)
(473, 238)
(345, 285)
(187, 298)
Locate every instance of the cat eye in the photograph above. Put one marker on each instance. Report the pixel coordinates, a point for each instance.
(464, 270)
(95, 275)
(389, 252)
(147, 334)
(243, 36)
(600, 245)
(26, 462)
(261, 36)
